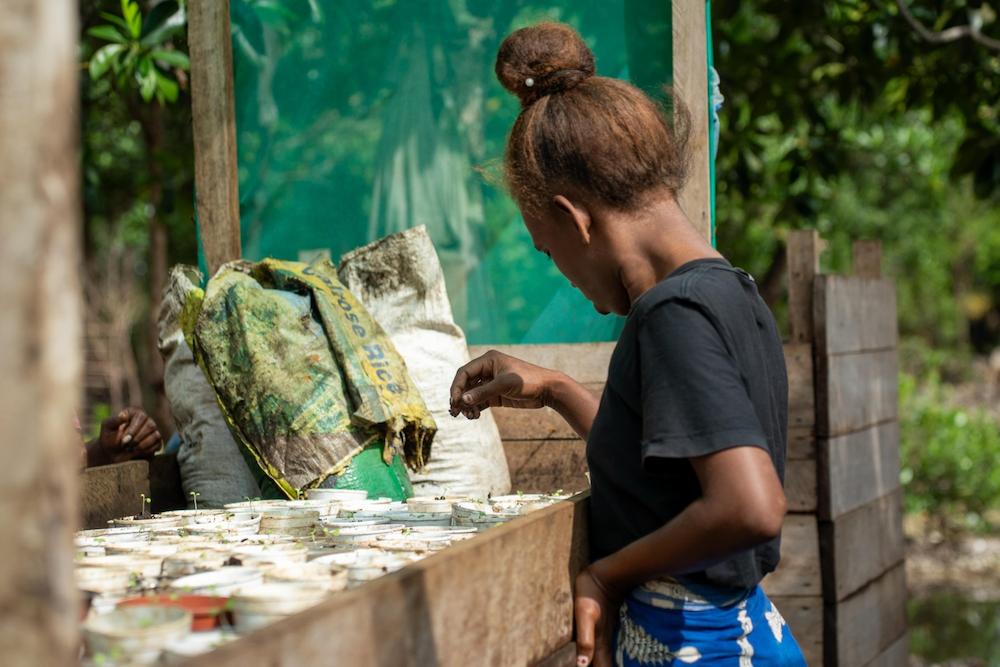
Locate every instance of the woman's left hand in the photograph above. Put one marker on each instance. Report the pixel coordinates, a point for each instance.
(596, 619)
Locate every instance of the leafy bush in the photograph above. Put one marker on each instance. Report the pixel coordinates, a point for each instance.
(948, 456)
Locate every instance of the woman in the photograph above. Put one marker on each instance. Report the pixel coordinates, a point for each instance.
(686, 447)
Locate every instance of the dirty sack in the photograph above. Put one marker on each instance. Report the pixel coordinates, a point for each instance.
(209, 459)
(400, 282)
(306, 379)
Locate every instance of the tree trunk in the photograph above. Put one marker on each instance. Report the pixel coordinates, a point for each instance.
(40, 335)
(151, 119)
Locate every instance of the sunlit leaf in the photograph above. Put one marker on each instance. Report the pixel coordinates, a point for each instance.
(103, 59)
(108, 33)
(172, 58)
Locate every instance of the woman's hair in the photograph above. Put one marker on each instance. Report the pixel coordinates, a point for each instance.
(599, 135)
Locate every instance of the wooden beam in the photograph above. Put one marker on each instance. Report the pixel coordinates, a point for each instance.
(856, 391)
(214, 121)
(586, 363)
(803, 266)
(857, 468)
(798, 572)
(804, 615)
(854, 314)
(503, 598)
(858, 547)
(113, 491)
(867, 259)
(859, 629)
(690, 84)
(897, 655)
(40, 338)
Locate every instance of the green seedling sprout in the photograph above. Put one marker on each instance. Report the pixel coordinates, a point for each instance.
(194, 498)
(143, 514)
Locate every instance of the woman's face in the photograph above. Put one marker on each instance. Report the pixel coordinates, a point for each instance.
(585, 256)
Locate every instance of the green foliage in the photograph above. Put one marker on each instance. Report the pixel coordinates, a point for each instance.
(136, 54)
(947, 455)
(838, 117)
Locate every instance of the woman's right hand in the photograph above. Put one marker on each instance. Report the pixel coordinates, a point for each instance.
(499, 380)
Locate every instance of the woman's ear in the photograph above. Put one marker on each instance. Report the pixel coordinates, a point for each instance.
(576, 214)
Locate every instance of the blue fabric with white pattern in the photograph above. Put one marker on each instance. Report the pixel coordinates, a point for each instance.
(667, 623)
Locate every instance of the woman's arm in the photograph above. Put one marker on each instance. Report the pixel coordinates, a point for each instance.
(742, 505)
(499, 380)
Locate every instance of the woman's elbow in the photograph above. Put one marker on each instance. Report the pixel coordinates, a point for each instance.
(763, 518)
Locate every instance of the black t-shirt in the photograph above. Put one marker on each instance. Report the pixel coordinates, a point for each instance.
(699, 368)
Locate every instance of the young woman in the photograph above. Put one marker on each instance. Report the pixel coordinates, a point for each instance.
(686, 447)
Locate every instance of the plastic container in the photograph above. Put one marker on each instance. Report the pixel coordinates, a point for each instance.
(154, 521)
(329, 577)
(432, 519)
(361, 534)
(192, 562)
(337, 494)
(224, 581)
(256, 606)
(289, 521)
(103, 580)
(138, 632)
(422, 504)
(206, 610)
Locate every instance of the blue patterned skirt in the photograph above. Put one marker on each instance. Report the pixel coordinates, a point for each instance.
(666, 623)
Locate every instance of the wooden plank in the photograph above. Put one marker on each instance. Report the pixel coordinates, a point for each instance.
(859, 629)
(858, 547)
(800, 485)
(855, 391)
(547, 465)
(564, 657)
(804, 616)
(586, 363)
(502, 598)
(798, 573)
(214, 124)
(542, 424)
(867, 256)
(110, 492)
(803, 265)
(897, 655)
(801, 392)
(801, 443)
(857, 468)
(40, 350)
(690, 83)
(854, 314)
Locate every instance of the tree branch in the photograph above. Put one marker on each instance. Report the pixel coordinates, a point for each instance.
(955, 33)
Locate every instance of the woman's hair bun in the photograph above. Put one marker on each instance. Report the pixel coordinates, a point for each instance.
(542, 59)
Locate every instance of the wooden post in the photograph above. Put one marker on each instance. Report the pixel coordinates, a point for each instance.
(690, 83)
(867, 258)
(40, 348)
(214, 118)
(803, 265)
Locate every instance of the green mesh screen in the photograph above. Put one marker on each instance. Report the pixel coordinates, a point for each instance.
(359, 118)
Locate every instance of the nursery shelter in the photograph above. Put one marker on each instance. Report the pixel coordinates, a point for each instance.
(504, 597)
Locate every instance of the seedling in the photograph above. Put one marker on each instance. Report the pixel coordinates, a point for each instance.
(143, 511)
(194, 498)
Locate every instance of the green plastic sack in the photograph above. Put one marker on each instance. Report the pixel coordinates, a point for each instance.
(306, 379)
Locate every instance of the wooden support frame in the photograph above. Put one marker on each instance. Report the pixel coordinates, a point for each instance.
(503, 598)
(690, 84)
(214, 122)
